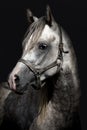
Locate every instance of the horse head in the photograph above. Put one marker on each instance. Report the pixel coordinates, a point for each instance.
(42, 53)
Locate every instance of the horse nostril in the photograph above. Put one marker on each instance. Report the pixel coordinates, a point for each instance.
(16, 78)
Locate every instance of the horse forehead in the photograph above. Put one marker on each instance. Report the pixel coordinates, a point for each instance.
(48, 33)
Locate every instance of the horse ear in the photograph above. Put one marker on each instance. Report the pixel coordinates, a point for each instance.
(30, 16)
(49, 16)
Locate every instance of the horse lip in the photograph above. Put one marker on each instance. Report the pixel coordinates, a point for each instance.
(21, 90)
(12, 85)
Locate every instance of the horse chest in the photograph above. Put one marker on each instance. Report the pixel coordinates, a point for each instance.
(19, 110)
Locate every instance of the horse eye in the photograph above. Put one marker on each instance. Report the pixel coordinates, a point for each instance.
(43, 46)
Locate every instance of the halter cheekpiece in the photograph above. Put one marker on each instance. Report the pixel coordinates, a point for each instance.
(37, 72)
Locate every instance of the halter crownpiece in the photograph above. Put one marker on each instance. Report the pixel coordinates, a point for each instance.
(37, 72)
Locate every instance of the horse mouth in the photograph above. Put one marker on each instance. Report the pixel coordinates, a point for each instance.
(18, 90)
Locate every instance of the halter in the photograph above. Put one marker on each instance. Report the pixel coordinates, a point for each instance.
(37, 72)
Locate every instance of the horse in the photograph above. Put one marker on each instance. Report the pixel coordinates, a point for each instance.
(44, 85)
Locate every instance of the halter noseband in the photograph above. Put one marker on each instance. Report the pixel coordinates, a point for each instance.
(37, 72)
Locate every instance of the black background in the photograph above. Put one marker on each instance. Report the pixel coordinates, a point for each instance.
(13, 24)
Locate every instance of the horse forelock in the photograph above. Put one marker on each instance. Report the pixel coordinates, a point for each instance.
(34, 31)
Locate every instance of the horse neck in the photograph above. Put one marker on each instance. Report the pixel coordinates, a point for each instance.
(55, 98)
(60, 91)
(54, 89)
